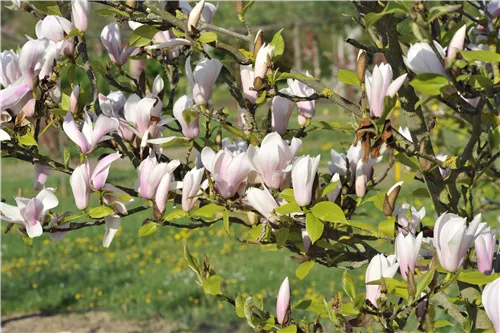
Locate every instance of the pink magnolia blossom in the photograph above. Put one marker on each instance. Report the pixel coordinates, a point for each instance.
(203, 78)
(191, 130)
(283, 301)
(407, 250)
(452, 239)
(491, 303)
(191, 188)
(110, 37)
(247, 77)
(9, 68)
(485, 248)
(91, 134)
(273, 159)
(281, 109)
(30, 213)
(80, 14)
(306, 109)
(262, 201)
(113, 221)
(379, 85)
(303, 173)
(228, 169)
(262, 61)
(4, 118)
(55, 28)
(42, 172)
(379, 266)
(410, 223)
(73, 99)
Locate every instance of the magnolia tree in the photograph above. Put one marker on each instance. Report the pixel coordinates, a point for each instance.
(416, 277)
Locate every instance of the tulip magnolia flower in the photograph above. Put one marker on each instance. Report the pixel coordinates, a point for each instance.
(30, 213)
(156, 180)
(445, 172)
(234, 147)
(85, 178)
(80, 14)
(379, 85)
(263, 61)
(306, 109)
(494, 8)
(228, 169)
(452, 239)
(202, 79)
(332, 196)
(262, 201)
(9, 68)
(281, 109)
(42, 172)
(247, 77)
(191, 188)
(112, 105)
(303, 174)
(89, 137)
(407, 249)
(485, 248)
(363, 174)
(55, 28)
(273, 160)
(410, 223)
(207, 13)
(4, 118)
(195, 15)
(337, 163)
(58, 235)
(491, 302)
(73, 99)
(113, 221)
(283, 302)
(110, 37)
(191, 130)
(379, 266)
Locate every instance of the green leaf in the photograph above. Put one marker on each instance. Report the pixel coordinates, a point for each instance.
(349, 309)
(192, 261)
(208, 37)
(289, 208)
(481, 55)
(239, 305)
(212, 285)
(421, 193)
(189, 115)
(390, 8)
(314, 227)
(295, 76)
(234, 131)
(394, 286)
(494, 138)
(261, 99)
(378, 200)
(288, 329)
(142, 36)
(328, 188)
(331, 126)
(279, 45)
(288, 195)
(282, 236)
(27, 140)
(148, 229)
(100, 212)
(424, 281)
(411, 162)
(476, 278)
(67, 157)
(304, 269)
(348, 77)
(349, 285)
(314, 305)
(225, 217)
(111, 11)
(47, 7)
(209, 211)
(387, 226)
(478, 81)
(27, 240)
(73, 33)
(177, 141)
(429, 83)
(175, 214)
(362, 225)
(438, 11)
(442, 323)
(328, 211)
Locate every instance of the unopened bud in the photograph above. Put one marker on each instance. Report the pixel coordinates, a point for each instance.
(73, 100)
(195, 16)
(361, 65)
(238, 6)
(259, 39)
(390, 199)
(131, 4)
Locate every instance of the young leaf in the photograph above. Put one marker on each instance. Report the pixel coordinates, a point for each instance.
(481, 55)
(288, 329)
(288, 195)
(314, 227)
(189, 115)
(192, 261)
(100, 212)
(111, 11)
(27, 140)
(208, 37)
(304, 269)
(424, 281)
(225, 217)
(279, 45)
(387, 226)
(282, 236)
(176, 214)
(476, 278)
(208, 211)
(328, 211)
(349, 285)
(148, 229)
(142, 36)
(348, 77)
(289, 208)
(212, 285)
(429, 83)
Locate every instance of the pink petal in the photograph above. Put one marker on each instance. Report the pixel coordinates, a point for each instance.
(101, 171)
(72, 131)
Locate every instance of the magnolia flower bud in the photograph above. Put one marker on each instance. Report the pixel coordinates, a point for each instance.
(112, 225)
(485, 248)
(186, 104)
(262, 64)
(80, 14)
(42, 172)
(306, 239)
(283, 302)
(411, 223)
(452, 239)
(262, 201)
(379, 266)
(257, 44)
(203, 78)
(361, 65)
(303, 174)
(490, 300)
(247, 78)
(238, 6)
(80, 185)
(407, 250)
(191, 188)
(456, 43)
(281, 109)
(194, 16)
(73, 100)
(390, 198)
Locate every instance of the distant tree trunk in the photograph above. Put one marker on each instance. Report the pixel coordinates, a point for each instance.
(315, 54)
(297, 51)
